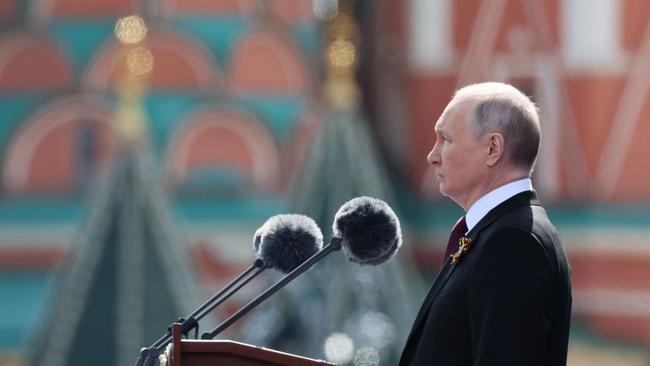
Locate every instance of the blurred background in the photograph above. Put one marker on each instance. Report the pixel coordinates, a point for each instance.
(142, 143)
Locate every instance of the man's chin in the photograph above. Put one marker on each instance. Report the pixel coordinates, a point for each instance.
(443, 190)
(445, 193)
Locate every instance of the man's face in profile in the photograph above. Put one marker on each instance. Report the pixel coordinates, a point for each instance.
(457, 157)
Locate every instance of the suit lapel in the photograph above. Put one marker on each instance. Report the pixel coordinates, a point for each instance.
(523, 198)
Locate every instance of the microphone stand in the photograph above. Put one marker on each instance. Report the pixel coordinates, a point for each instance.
(148, 355)
(334, 245)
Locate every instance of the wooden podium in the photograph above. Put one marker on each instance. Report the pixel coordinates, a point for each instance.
(185, 352)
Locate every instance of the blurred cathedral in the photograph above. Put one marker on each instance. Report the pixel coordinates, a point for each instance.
(243, 109)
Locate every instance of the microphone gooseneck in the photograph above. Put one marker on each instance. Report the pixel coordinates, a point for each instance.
(369, 230)
(334, 245)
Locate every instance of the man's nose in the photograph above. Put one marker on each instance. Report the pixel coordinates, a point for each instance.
(433, 157)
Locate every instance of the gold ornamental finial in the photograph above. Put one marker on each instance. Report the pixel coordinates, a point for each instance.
(137, 63)
(131, 29)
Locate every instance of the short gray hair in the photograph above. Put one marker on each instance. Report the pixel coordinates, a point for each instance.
(502, 108)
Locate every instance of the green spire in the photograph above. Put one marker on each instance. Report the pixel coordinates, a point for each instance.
(128, 278)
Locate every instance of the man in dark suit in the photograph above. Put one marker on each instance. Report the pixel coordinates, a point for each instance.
(503, 295)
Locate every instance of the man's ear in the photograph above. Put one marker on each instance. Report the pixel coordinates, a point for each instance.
(496, 145)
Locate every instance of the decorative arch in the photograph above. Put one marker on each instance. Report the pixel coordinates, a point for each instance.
(30, 61)
(43, 10)
(179, 63)
(224, 137)
(39, 156)
(213, 7)
(267, 61)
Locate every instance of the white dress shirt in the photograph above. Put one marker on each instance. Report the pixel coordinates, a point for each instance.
(483, 205)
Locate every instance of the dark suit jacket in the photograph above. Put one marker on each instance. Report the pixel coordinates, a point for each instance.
(506, 302)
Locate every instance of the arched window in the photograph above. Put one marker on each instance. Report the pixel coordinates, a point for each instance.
(223, 150)
(31, 62)
(60, 148)
(283, 71)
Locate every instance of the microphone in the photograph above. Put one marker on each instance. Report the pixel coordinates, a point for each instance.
(366, 228)
(369, 230)
(289, 240)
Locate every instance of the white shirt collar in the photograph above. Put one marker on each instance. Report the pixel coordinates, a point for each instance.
(483, 205)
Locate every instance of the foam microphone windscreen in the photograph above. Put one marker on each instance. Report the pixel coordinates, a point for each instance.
(369, 230)
(285, 241)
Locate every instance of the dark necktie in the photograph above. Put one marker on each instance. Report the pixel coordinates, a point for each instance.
(452, 245)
